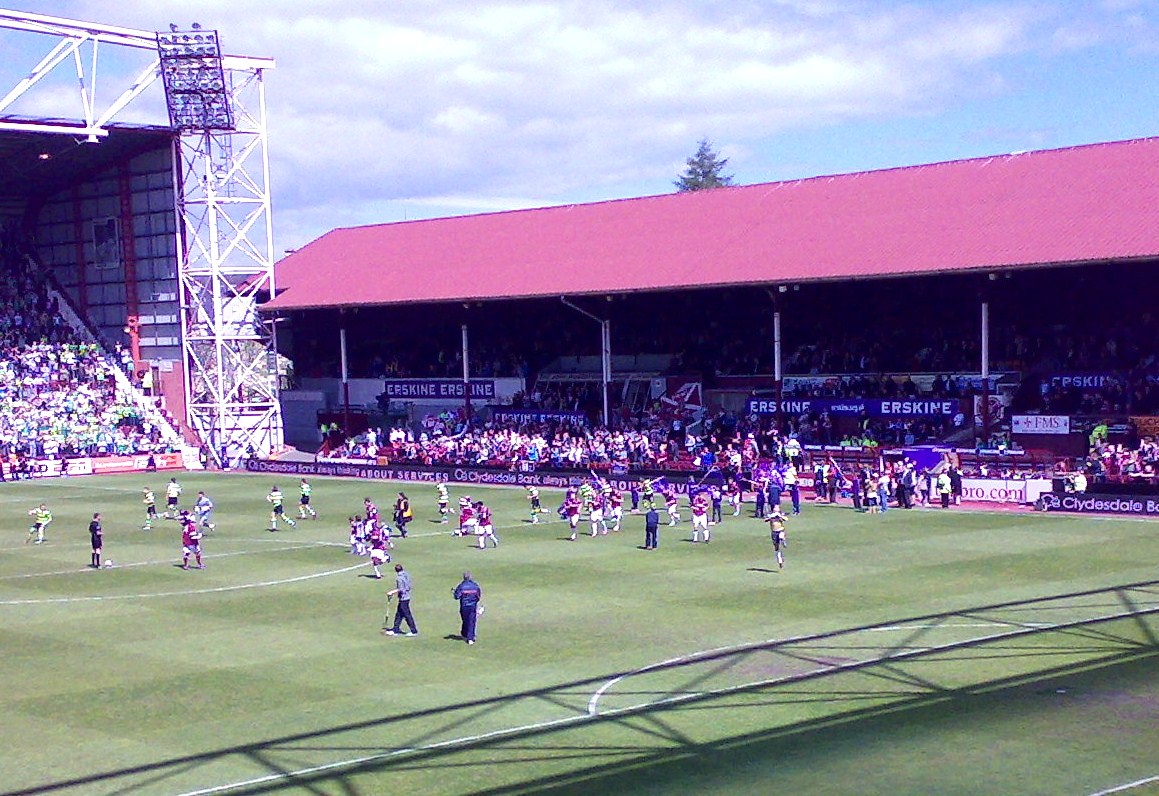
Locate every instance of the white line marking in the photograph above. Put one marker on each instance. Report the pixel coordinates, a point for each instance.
(1129, 786)
(170, 560)
(357, 761)
(216, 590)
(958, 624)
(695, 656)
(665, 664)
(589, 716)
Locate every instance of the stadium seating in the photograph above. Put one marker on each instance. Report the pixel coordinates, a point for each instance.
(60, 394)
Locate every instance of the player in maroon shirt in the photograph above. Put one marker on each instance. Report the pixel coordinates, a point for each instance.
(616, 509)
(369, 509)
(571, 510)
(485, 527)
(190, 541)
(378, 554)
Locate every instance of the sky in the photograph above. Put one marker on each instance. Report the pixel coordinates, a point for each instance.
(389, 111)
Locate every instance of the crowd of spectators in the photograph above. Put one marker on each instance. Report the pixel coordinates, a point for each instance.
(58, 395)
(1116, 462)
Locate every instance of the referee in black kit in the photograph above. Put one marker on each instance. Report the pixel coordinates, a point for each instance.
(97, 537)
(468, 593)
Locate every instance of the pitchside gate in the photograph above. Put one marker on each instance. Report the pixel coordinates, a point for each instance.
(157, 229)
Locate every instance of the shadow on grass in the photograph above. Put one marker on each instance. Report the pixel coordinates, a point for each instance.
(694, 682)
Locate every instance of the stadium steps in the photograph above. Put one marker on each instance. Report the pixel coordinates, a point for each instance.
(151, 409)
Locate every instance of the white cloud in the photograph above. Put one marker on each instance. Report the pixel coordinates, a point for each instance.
(451, 103)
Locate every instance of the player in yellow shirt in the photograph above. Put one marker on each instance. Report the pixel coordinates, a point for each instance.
(41, 517)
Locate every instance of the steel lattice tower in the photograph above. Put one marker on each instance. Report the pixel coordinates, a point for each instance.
(221, 176)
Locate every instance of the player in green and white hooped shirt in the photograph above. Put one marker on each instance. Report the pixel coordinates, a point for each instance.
(172, 498)
(41, 517)
(277, 509)
(150, 501)
(304, 507)
(444, 501)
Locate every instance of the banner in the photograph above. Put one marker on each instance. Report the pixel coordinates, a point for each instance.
(139, 462)
(844, 407)
(538, 416)
(1003, 490)
(1040, 424)
(436, 389)
(85, 465)
(682, 396)
(1078, 381)
(1087, 503)
(997, 404)
(434, 474)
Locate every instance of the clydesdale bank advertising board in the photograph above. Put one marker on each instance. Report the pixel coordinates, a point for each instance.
(1101, 504)
(463, 475)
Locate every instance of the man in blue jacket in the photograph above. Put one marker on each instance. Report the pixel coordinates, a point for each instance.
(468, 593)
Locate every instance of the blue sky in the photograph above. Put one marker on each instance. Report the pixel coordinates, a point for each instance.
(385, 111)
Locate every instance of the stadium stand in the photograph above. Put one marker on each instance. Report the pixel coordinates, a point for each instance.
(61, 393)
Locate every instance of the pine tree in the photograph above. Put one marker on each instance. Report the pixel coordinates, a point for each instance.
(704, 170)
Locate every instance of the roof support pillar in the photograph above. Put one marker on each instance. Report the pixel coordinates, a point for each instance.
(985, 367)
(605, 354)
(466, 375)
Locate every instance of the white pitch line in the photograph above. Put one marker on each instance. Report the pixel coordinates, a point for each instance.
(692, 657)
(581, 718)
(957, 624)
(1129, 786)
(599, 692)
(188, 592)
(590, 715)
(301, 546)
(357, 761)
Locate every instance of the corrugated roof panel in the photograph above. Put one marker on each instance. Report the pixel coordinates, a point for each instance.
(1079, 204)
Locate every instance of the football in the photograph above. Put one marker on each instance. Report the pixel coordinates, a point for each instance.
(109, 564)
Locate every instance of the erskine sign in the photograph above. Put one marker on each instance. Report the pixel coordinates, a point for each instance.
(841, 407)
(1087, 503)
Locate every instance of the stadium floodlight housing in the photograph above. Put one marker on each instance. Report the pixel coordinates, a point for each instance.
(194, 79)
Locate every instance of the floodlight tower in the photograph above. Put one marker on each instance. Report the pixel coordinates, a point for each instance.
(225, 252)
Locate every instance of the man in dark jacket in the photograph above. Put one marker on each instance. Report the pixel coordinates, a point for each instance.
(651, 529)
(468, 593)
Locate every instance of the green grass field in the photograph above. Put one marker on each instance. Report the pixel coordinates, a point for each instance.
(600, 668)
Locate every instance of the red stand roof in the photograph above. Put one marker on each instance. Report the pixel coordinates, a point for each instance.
(1065, 206)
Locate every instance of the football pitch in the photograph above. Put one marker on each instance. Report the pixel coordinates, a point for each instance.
(915, 652)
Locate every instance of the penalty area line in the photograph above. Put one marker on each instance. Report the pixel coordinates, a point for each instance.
(170, 560)
(186, 592)
(1127, 786)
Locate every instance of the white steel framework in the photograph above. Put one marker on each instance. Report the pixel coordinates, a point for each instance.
(225, 241)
